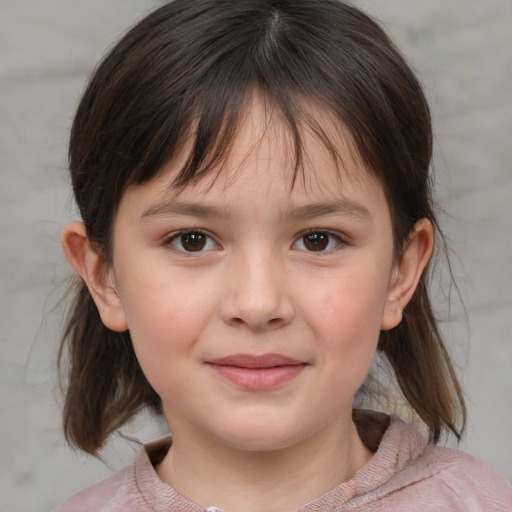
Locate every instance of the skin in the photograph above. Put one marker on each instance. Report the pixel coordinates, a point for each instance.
(256, 288)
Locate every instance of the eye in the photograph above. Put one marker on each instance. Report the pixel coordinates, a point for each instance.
(317, 241)
(192, 241)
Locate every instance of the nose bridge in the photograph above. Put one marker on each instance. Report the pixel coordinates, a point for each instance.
(258, 294)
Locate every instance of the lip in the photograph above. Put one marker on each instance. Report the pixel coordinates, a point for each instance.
(257, 372)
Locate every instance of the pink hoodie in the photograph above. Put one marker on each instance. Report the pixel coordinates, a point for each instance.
(405, 474)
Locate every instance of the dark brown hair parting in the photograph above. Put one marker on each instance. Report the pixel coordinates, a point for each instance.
(185, 73)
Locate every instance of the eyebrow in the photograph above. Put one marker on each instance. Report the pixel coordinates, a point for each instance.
(343, 207)
(180, 208)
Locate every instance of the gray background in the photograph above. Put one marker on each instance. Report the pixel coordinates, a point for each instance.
(462, 51)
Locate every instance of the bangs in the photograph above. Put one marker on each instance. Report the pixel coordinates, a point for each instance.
(199, 112)
(208, 139)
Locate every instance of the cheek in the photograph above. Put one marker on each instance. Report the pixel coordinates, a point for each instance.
(165, 320)
(345, 314)
(165, 332)
(353, 300)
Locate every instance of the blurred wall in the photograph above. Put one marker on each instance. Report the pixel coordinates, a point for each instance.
(462, 51)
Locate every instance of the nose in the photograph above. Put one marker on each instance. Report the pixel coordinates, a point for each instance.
(257, 294)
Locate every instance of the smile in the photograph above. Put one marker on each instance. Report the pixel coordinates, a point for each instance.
(257, 372)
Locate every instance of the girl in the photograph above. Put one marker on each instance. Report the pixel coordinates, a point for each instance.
(253, 180)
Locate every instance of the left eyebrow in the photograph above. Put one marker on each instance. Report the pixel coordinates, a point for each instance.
(343, 207)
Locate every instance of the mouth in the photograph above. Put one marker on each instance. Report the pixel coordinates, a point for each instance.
(257, 372)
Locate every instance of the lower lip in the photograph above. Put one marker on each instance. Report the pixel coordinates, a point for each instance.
(258, 378)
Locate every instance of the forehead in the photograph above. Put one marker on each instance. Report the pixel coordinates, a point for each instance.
(266, 153)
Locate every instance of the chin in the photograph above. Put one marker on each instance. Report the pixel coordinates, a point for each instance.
(261, 438)
(260, 444)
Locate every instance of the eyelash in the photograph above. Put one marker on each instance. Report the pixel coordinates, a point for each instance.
(170, 240)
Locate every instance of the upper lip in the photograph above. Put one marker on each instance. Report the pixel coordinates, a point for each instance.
(256, 361)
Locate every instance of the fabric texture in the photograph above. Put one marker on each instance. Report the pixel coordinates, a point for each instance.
(406, 473)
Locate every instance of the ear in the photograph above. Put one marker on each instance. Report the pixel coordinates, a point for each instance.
(407, 273)
(99, 278)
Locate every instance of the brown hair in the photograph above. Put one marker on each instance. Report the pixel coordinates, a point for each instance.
(184, 73)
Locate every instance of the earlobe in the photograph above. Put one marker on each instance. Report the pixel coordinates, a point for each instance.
(406, 275)
(91, 267)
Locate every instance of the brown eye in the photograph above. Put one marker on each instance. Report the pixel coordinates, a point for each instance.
(316, 241)
(192, 241)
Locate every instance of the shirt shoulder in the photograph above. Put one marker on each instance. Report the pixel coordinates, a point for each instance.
(474, 484)
(136, 487)
(114, 494)
(439, 478)
(408, 473)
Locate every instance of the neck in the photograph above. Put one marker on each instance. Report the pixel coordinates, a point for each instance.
(213, 474)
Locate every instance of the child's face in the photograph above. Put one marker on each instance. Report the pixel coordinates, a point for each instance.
(255, 310)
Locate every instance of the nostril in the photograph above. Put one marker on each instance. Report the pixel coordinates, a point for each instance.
(256, 307)
(269, 324)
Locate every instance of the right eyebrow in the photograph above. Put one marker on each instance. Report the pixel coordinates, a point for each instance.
(172, 208)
